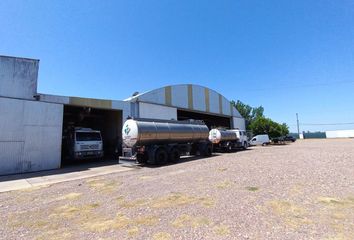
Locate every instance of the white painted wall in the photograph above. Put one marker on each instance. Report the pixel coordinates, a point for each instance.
(153, 111)
(239, 123)
(30, 138)
(340, 134)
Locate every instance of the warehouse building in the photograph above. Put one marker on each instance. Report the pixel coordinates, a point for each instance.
(32, 123)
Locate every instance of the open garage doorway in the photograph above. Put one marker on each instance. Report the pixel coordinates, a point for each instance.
(87, 124)
(211, 121)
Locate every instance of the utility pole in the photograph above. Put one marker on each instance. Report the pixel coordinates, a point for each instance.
(297, 121)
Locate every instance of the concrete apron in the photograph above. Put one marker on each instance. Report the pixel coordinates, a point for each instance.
(23, 181)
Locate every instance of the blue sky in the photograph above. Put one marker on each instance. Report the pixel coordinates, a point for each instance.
(288, 56)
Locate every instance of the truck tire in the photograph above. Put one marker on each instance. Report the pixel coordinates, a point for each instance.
(142, 158)
(228, 147)
(208, 150)
(161, 156)
(174, 155)
(245, 145)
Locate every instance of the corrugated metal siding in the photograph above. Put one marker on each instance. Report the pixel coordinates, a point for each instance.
(32, 140)
(157, 96)
(154, 111)
(199, 98)
(180, 96)
(189, 96)
(239, 123)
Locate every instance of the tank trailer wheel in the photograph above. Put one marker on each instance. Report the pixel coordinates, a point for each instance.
(245, 146)
(161, 156)
(174, 155)
(229, 147)
(208, 150)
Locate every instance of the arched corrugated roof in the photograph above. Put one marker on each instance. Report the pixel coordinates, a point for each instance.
(189, 96)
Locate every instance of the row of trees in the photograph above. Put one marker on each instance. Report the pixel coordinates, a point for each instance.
(258, 123)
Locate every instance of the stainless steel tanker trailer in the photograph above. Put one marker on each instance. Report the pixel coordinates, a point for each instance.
(159, 141)
(228, 140)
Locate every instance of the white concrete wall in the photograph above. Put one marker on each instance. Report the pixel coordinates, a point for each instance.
(239, 123)
(18, 77)
(30, 138)
(153, 111)
(340, 134)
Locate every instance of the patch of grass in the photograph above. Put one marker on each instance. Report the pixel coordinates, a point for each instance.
(224, 184)
(222, 169)
(335, 202)
(221, 230)
(132, 203)
(133, 231)
(161, 236)
(99, 184)
(173, 200)
(189, 221)
(102, 225)
(146, 220)
(252, 189)
(292, 214)
(206, 202)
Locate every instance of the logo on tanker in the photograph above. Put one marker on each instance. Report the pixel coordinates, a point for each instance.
(127, 129)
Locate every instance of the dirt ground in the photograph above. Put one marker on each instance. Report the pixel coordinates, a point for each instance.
(303, 190)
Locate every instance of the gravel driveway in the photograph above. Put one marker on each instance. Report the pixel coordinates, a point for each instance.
(304, 190)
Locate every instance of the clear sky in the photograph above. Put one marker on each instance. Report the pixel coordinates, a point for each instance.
(288, 56)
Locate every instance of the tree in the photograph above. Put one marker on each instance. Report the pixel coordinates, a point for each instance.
(258, 123)
(263, 125)
(247, 112)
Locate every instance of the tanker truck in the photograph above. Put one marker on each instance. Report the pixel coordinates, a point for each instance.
(228, 140)
(160, 142)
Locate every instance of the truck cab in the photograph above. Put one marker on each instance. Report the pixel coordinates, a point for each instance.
(85, 143)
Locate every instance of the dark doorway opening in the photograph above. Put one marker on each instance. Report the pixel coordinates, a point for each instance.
(108, 122)
(211, 121)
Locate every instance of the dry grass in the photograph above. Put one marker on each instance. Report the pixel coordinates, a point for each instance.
(224, 184)
(101, 185)
(190, 221)
(293, 215)
(162, 236)
(221, 230)
(252, 189)
(133, 231)
(173, 200)
(97, 224)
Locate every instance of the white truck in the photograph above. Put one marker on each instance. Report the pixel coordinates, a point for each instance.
(228, 140)
(83, 143)
(262, 139)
